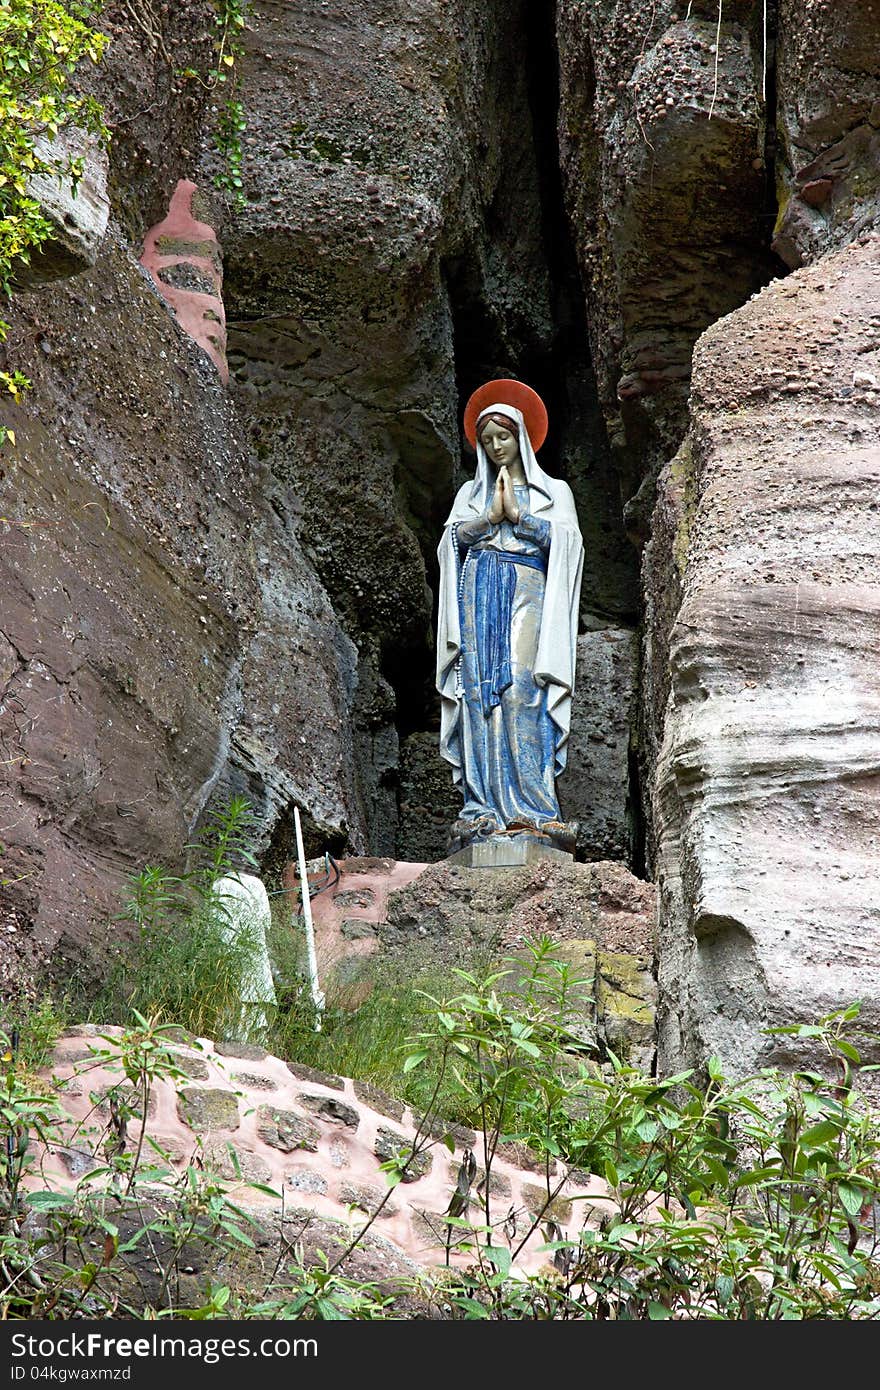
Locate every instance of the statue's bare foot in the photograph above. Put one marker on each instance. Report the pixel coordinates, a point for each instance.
(562, 833)
(464, 832)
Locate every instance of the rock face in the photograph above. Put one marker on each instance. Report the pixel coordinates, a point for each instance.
(148, 655)
(78, 214)
(384, 920)
(661, 140)
(362, 181)
(191, 609)
(828, 117)
(765, 806)
(205, 592)
(594, 790)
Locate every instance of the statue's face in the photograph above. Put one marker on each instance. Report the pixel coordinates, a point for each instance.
(500, 443)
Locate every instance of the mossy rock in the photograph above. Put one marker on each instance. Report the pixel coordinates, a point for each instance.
(205, 1108)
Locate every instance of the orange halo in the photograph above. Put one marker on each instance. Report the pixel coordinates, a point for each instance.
(505, 391)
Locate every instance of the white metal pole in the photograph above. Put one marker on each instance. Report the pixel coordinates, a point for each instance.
(317, 995)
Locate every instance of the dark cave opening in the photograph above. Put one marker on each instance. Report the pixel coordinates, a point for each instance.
(555, 362)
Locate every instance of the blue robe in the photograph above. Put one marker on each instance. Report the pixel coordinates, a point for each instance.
(506, 734)
(506, 641)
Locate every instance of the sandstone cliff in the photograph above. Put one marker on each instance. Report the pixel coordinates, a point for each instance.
(209, 589)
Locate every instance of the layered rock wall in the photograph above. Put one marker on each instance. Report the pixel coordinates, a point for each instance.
(828, 126)
(146, 632)
(662, 122)
(767, 798)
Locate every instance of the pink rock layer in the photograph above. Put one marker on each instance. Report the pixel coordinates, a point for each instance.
(361, 894)
(179, 240)
(312, 1141)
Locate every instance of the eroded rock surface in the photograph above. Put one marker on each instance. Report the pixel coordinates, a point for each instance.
(766, 802)
(389, 920)
(362, 181)
(829, 126)
(594, 790)
(661, 142)
(77, 213)
(148, 654)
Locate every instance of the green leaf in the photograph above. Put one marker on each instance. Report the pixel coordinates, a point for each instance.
(414, 1060)
(756, 1175)
(500, 1257)
(471, 1306)
(269, 1191)
(724, 1288)
(852, 1197)
(820, 1133)
(611, 1175)
(50, 1201)
(329, 1311)
(657, 1312)
(238, 1236)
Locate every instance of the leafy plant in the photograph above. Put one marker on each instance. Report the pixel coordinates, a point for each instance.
(41, 43)
(123, 1205)
(754, 1199)
(184, 965)
(229, 22)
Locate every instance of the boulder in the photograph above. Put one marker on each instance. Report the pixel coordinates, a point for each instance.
(77, 208)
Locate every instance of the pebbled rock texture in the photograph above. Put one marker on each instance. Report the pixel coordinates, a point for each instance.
(766, 809)
(662, 149)
(828, 124)
(386, 921)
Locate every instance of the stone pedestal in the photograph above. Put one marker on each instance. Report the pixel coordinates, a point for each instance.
(508, 852)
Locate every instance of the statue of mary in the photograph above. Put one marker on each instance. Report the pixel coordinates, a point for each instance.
(511, 559)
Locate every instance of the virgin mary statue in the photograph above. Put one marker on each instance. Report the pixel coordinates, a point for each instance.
(511, 559)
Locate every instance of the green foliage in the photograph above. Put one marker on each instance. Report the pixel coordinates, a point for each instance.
(753, 1199)
(183, 965)
(511, 1041)
(40, 1029)
(41, 43)
(369, 1042)
(231, 125)
(68, 1262)
(229, 23)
